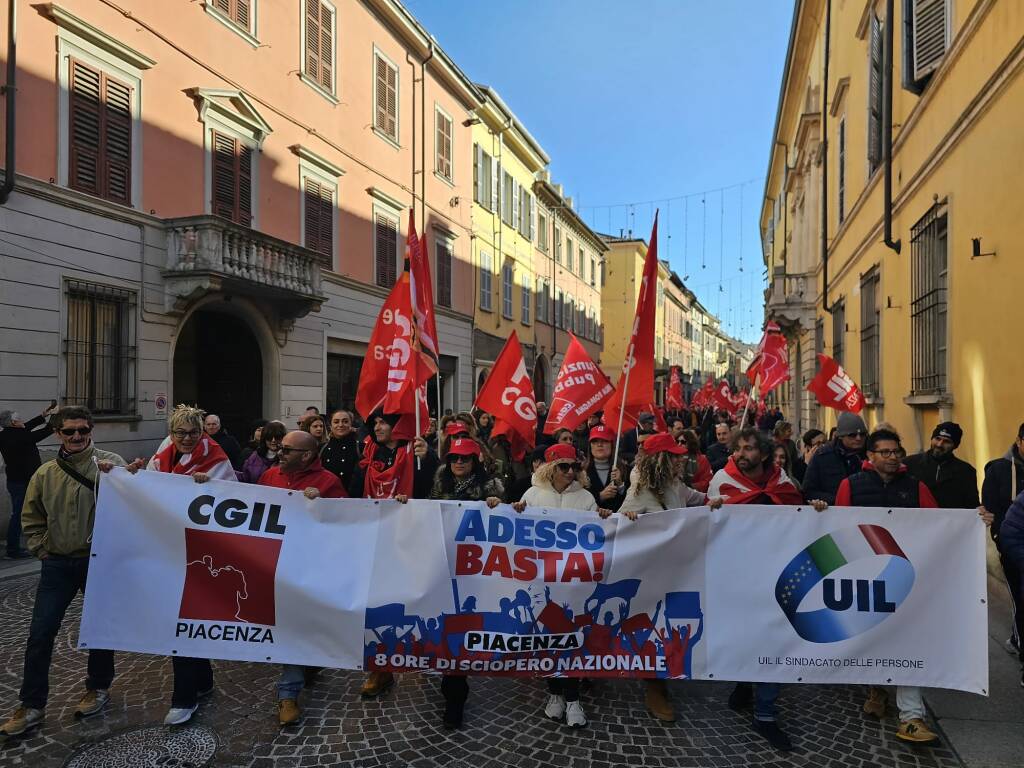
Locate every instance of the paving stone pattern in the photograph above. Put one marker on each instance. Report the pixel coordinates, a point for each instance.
(504, 725)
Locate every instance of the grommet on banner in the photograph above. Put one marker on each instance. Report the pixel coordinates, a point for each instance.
(173, 651)
(799, 679)
(93, 554)
(983, 600)
(268, 658)
(710, 676)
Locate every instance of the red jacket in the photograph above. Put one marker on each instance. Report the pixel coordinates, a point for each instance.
(313, 476)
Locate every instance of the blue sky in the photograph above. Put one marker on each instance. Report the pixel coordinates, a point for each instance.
(638, 101)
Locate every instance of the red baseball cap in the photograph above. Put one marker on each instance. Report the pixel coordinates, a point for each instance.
(453, 428)
(601, 432)
(464, 446)
(560, 451)
(663, 442)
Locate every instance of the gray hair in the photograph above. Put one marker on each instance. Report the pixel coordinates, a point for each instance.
(6, 419)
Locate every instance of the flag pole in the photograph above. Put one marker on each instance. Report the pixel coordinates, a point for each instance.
(746, 407)
(622, 409)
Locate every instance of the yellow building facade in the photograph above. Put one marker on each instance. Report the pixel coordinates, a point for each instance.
(923, 324)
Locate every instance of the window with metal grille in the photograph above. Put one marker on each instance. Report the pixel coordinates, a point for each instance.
(237, 11)
(526, 302)
(232, 179)
(542, 232)
(100, 134)
(385, 97)
(320, 47)
(318, 216)
(100, 348)
(443, 258)
(485, 281)
(870, 321)
(507, 277)
(875, 94)
(928, 260)
(385, 249)
(841, 162)
(838, 330)
(483, 165)
(443, 162)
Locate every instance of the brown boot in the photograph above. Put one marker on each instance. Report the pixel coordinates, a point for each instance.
(874, 705)
(658, 702)
(376, 684)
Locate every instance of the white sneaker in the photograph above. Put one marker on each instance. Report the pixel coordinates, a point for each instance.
(555, 709)
(574, 716)
(180, 715)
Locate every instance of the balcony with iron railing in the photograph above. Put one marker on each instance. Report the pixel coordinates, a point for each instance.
(211, 254)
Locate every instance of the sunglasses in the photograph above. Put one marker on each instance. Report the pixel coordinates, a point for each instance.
(575, 467)
(459, 458)
(858, 433)
(182, 434)
(74, 430)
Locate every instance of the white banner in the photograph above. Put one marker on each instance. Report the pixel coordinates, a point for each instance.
(233, 571)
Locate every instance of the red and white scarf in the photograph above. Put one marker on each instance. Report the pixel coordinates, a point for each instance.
(207, 457)
(737, 488)
(386, 483)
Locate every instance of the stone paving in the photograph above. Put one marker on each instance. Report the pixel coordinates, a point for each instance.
(504, 725)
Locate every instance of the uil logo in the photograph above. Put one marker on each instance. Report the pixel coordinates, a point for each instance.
(844, 583)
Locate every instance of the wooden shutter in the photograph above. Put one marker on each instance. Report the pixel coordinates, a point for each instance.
(930, 24)
(533, 217)
(242, 13)
(387, 98)
(444, 273)
(100, 131)
(244, 214)
(386, 250)
(313, 39)
(514, 190)
(319, 217)
(875, 95)
(224, 6)
(478, 194)
(232, 179)
(117, 141)
(495, 185)
(444, 145)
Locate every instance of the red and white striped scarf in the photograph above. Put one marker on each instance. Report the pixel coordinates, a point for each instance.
(207, 457)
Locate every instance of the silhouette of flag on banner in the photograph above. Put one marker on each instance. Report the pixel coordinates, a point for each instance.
(834, 388)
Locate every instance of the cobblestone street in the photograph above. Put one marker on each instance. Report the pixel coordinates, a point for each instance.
(504, 725)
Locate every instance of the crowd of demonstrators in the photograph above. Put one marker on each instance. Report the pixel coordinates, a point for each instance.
(18, 440)
(704, 458)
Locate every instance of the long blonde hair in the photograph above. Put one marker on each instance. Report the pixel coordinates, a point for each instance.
(656, 472)
(546, 472)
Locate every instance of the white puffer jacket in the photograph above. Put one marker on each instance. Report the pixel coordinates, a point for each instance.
(677, 495)
(575, 496)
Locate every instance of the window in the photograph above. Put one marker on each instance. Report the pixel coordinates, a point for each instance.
(342, 381)
(527, 211)
(100, 134)
(928, 243)
(559, 309)
(841, 161)
(238, 12)
(925, 40)
(870, 318)
(568, 253)
(875, 95)
(485, 281)
(318, 216)
(232, 178)
(569, 313)
(385, 253)
(558, 245)
(385, 97)
(526, 301)
(543, 301)
(582, 264)
(507, 278)
(318, 41)
(443, 260)
(542, 232)
(593, 272)
(443, 150)
(483, 172)
(508, 199)
(838, 330)
(100, 348)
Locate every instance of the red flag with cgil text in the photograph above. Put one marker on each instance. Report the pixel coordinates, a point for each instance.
(580, 389)
(722, 397)
(422, 297)
(674, 396)
(834, 388)
(507, 395)
(771, 364)
(635, 393)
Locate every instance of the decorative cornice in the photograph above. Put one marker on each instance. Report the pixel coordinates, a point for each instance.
(381, 196)
(839, 94)
(64, 18)
(313, 158)
(244, 111)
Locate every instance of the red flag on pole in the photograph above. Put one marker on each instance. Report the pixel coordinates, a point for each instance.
(635, 389)
(771, 363)
(422, 292)
(674, 396)
(722, 396)
(580, 390)
(507, 395)
(834, 388)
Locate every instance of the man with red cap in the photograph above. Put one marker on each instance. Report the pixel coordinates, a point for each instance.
(608, 483)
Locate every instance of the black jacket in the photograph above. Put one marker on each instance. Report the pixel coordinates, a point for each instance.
(952, 481)
(341, 456)
(230, 446)
(867, 489)
(996, 491)
(18, 447)
(596, 486)
(718, 455)
(828, 468)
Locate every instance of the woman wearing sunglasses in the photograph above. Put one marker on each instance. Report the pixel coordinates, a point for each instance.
(266, 454)
(462, 477)
(561, 483)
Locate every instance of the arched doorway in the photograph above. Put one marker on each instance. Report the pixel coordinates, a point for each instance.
(540, 378)
(481, 377)
(218, 366)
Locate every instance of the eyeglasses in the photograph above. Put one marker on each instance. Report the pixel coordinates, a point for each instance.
(567, 467)
(74, 430)
(458, 458)
(858, 433)
(288, 449)
(891, 453)
(182, 434)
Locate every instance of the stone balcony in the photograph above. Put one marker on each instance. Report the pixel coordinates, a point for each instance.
(209, 254)
(790, 299)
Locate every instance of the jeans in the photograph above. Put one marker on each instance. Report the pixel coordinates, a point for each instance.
(909, 702)
(765, 695)
(1011, 555)
(60, 580)
(17, 491)
(567, 687)
(1014, 582)
(191, 677)
(291, 681)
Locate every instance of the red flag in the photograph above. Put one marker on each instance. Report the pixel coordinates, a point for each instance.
(640, 352)
(771, 363)
(422, 292)
(659, 418)
(674, 396)
(508, 396)
(393, 376)
(580, 389)
(834, 388)
(722, 396)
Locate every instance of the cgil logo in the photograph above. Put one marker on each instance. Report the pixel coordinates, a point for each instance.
(844, 583)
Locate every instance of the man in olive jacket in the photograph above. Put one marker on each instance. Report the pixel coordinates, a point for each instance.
(57, 520)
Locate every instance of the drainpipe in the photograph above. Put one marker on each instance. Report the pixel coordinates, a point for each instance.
(499, 259)
(423, 141)
(10, 91)
(887, 125)
(824, 162)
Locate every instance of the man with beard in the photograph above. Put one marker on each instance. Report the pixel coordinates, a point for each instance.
(952, 481)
